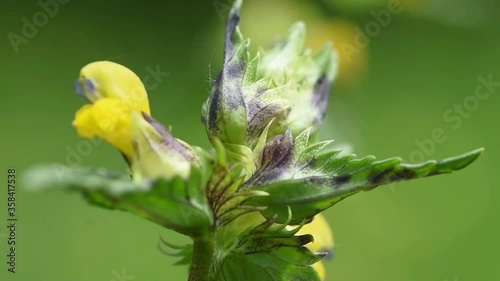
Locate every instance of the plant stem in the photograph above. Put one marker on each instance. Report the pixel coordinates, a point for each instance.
(203, 250)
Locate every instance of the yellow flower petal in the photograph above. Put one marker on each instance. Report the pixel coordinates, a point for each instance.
(108, 119)
(113, 80)
(115, 92)
(353, 57)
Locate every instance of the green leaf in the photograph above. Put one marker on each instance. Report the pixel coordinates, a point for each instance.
(177, 204)
(264, 267)
(308, 182)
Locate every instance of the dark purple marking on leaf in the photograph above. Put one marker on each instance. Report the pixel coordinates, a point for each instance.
(321, 94)
(278, 152)
(260, 115)
(254, 107)
(315, 180)
(234, 69)
(227, 88)
(403, 174)
(232, 22)
(235, 100)
(276, 160)
(169, 140)
(340, 180)
(380, 177)
(259, 92)
(232, 84)
(311, 162)
(263, 177)
(214, 103)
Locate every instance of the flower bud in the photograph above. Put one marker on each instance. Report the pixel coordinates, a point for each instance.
(287, 85)
(311, 78)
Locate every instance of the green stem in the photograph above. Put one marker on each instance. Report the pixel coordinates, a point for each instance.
(203, 250)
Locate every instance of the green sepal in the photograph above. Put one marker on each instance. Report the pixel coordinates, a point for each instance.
(184, 252)
(270, 252)
(223, 187)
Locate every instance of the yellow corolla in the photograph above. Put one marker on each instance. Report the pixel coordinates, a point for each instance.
(323, 240)
(115, 92)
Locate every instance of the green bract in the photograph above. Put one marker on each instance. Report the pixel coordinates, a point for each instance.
(264, 173)
(157, 154)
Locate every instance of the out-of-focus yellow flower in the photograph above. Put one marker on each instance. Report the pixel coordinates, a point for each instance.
(320, 269)
(323, 236)
(353, 57)
(269, 27)
(323, 241)
(115, 92)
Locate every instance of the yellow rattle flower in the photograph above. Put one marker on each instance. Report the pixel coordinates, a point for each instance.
(115, 92)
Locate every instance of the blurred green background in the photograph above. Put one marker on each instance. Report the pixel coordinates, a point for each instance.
(391, 93)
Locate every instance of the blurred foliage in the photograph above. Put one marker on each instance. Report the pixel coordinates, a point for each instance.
(420, 66)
